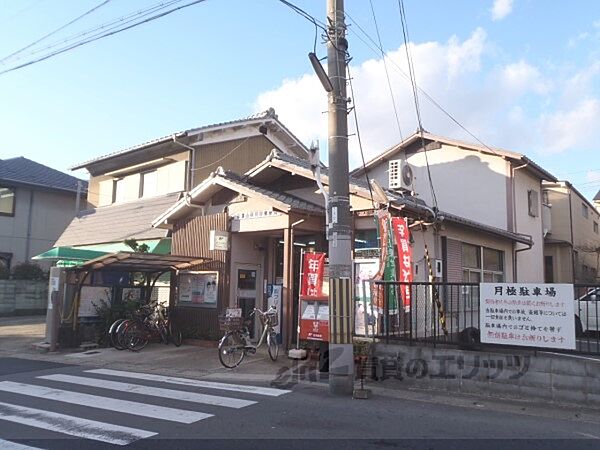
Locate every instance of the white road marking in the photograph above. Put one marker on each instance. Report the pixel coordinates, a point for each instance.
(147, 390)
(8, 445)
(194, 383)
(110, 404)
(74, 426)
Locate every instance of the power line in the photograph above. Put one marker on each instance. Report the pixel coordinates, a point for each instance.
(386, 70)
(360, 146)
(413, 82)
(377, 50)
(55, 31)
(101, 36)
(105, 27)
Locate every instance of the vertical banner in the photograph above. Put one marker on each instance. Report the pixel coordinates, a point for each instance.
(405, 274)
(313, 268)
(387, 267)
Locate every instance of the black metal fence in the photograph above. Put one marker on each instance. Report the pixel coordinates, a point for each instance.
(449, 313)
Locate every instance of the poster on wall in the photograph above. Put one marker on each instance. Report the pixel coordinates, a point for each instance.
(90, 296)
(533, 315)
(199, 288)
(131, 295)
(274, 294)
(365, 312)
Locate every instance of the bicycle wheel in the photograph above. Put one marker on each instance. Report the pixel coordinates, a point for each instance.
(272, 345)
(119, 334)
(231, 349)
(112, 334)
(135, 336)
(175, 334)
(163, 332)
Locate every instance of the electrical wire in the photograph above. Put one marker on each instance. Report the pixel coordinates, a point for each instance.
(104, 27)
(362, 154)
(377, 50)
(101, 36)
(16, 52)
(387, 75)
(224, 157)
(413, 82)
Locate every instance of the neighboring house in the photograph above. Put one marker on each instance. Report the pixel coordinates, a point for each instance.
(572, 239)
(36, 205)
(493, 187)
(129, 188)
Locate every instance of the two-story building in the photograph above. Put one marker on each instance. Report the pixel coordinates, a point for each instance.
(493, 187)
(36, 205)
(572, 237)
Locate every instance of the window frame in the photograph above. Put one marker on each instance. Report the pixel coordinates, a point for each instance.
(497, 276)
(114, 191)
(141, 191)
(595, 227)
(533, 203)
(14, 201)
(585, 211)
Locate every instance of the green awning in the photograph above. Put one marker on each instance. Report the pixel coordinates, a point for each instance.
(70, 253)
(156, 246)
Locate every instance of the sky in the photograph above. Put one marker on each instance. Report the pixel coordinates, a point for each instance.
(523, 75)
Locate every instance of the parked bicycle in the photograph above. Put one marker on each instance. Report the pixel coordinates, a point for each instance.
(235, 344)
(149, 322)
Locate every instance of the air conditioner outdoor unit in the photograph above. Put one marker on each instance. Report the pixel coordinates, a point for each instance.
(400, 175)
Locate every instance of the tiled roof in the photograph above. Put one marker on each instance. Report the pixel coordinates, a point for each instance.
(292, 201)
(25, 171)
(264, 115)
(117, 222)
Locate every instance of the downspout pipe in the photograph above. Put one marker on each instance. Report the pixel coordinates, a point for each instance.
(572, 238)
(190, 180)
(514, 217)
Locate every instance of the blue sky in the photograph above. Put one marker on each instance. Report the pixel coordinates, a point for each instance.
(523, 75)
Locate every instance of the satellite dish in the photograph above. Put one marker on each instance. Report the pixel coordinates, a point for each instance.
(407, 175)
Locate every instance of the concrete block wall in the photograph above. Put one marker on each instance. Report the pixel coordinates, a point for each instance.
(521, 374)
(23, 297)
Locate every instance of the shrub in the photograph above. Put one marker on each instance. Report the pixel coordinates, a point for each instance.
(28, 271)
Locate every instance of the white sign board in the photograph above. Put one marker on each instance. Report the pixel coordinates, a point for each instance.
(274, 292)
(218, 240)
(92, 297)
(533, 315)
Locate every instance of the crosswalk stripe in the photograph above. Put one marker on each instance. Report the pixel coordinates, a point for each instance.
(8, 445)
(194, 383)
(110, 404)
(148, 390)
(74, 426)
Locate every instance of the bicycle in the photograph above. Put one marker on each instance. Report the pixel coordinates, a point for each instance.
(235, 344)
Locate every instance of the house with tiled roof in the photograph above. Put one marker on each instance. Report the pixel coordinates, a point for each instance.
(37, 203)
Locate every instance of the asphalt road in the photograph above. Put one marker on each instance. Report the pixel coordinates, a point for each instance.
(57, 406)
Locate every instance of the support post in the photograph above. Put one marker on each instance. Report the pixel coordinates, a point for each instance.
(341, 358)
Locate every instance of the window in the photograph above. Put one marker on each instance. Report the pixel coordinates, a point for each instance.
(7, 201)
(545, 197)
(548, 269)
(118, 190)
(533, 203)
(482, 264)
(596, 227)
(148, 184)
(584, 210)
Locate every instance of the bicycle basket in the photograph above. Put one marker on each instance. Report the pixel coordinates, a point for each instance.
(274, 319)
(230, 323)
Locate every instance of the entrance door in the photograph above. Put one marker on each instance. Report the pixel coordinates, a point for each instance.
(248, 292)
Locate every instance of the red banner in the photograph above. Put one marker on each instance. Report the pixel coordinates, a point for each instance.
(405, 274)
(313, 268)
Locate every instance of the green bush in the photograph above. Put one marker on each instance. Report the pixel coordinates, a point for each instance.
(4, 272)
(28, 271)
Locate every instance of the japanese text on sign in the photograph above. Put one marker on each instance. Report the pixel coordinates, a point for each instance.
(405, 274)
(312, 275)
(535, 315)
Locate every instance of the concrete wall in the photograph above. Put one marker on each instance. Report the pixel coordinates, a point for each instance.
(51, 212)
(503, 373)
(23, 297)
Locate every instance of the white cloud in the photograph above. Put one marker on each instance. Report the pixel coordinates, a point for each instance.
(501, 9)
(515, 105)
(568, 129)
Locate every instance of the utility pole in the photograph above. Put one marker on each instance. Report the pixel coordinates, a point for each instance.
(339, 233)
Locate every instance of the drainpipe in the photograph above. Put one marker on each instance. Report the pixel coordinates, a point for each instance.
(572, 240)
(190, 180)
(29, 225)
(530, 246)
(514, 208)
